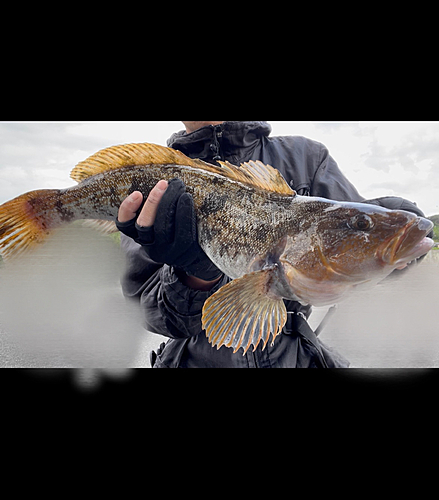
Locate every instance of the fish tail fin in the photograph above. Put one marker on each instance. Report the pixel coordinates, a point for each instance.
(25, 221)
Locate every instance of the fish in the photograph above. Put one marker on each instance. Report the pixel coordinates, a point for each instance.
(274, 244)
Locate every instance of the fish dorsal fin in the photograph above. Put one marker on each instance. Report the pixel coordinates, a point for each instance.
(257, 174)
(252, 173)
(125, 155)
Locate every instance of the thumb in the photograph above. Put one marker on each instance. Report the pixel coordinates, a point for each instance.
(149, 211)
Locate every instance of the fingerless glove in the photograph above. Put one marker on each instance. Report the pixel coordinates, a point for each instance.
(173, 239)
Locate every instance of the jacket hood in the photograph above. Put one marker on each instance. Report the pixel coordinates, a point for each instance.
(233, 141)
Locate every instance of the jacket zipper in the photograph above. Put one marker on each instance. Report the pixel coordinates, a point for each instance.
(215, 147)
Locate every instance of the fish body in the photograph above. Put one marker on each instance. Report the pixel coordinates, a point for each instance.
(273, 243)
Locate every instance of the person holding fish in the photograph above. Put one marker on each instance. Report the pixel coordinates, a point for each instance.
(225, 253)
(305, 237)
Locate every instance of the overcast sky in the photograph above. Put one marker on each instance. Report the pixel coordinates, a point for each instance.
(379, 158)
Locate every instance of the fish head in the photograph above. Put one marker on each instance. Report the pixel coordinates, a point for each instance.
(340, 245)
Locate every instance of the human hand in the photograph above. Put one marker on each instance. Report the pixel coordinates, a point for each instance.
(129, 207)
(166, 227)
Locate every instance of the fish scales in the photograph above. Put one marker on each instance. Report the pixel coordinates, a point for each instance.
(274, 244)
(236, 223)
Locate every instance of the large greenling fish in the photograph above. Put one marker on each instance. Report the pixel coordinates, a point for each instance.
(273, 243)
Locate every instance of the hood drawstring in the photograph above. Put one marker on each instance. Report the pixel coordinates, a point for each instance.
(215, 146)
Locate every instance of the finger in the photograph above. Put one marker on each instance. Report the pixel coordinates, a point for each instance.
(186, 230)
(164, 224)
(129, 206)
(149, 210)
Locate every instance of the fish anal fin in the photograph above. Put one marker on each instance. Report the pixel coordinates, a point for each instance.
(103, 227)
(245, 312)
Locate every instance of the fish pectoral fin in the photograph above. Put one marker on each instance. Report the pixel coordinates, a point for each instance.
(245, 312)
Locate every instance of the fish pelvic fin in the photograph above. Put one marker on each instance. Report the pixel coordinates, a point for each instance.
(24, 221)
(253, 173)
(245, 312)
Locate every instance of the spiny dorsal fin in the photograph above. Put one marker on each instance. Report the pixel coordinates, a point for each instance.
(253, 173)
(125, 155)
(256, 174)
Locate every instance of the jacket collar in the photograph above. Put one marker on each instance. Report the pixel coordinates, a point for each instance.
(233, 141)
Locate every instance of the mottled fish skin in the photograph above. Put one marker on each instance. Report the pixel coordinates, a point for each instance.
(244, 229)
(274, 244)
(239, 227)
(320, 254)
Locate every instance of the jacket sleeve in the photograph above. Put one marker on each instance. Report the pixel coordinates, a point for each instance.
(168, 307)
(330, 182)
(396, 203)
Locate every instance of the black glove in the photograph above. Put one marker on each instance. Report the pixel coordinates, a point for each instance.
(173, 239)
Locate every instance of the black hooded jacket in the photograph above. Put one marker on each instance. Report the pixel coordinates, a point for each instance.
(173, 310)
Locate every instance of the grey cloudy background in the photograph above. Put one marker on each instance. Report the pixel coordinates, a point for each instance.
(379, 158)
(45, 323)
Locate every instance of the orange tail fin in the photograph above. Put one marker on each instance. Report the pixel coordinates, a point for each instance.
(26, 221)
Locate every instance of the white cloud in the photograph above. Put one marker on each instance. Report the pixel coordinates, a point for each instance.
(379, 158)
(127, 132)
(41, 155)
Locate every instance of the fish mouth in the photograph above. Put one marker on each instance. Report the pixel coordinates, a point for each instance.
(410, 244)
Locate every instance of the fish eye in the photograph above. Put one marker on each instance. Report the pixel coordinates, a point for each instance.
(361, 222)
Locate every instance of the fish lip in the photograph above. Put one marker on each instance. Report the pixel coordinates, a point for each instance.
(409, 245)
